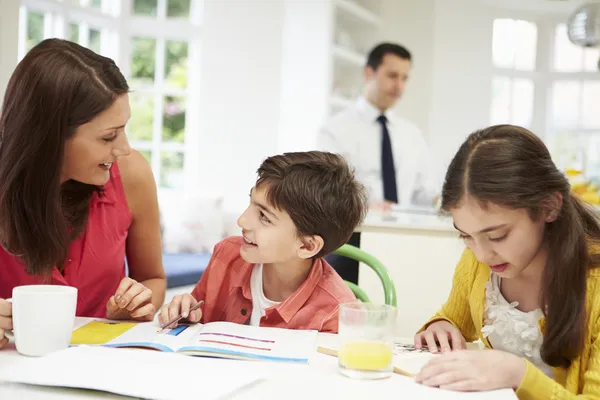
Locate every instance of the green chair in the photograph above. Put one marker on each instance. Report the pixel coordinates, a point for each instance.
(389, 290)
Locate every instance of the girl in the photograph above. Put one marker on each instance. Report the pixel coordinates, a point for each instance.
(75, 200)
(527, 284)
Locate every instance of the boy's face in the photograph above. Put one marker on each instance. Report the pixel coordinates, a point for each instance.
(270, 235)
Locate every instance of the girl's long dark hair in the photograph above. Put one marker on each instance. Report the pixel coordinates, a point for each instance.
(57, 87)
(510, 166)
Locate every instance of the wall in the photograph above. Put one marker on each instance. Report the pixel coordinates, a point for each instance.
(410, 23)
(305, 72)
(9, 29)
(241, 68)
(461, 76)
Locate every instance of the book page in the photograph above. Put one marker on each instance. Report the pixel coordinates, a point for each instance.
(131, 334)
(100, 332)
(149, 334)
(231, 340)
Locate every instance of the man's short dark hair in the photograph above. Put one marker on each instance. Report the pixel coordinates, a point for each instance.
(378, 52)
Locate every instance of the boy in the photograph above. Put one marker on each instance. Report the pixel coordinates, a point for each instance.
(303, 206)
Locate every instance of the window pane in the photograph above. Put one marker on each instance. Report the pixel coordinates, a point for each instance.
(174, 119)
(522, 102)
(74, 33)
(567, 56)
(591, 60)
(525, 45)
(514, 44)
(96, 3)
(145, 7)
(142, 113)
(94, 43)
(35, 28)
(178, 8)
(500, 100)
(502, 46)
(171, 170)
(176, 64)
(565, 103)
(143, 60)
(147, 155)
(590, 113)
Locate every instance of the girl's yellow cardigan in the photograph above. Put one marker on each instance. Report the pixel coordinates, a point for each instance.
(465, 308)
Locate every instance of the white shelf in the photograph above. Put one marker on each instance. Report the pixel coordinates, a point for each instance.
(340, 101)
(358, 12)
(349, 56)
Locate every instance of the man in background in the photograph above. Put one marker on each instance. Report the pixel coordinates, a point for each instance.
(388, 152)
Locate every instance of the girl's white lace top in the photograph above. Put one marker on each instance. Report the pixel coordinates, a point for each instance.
(510, 329)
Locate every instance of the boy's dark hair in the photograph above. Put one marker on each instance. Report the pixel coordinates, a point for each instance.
(319, 192)
(376, 55)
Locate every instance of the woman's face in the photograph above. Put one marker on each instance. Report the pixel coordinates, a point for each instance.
(96, 145)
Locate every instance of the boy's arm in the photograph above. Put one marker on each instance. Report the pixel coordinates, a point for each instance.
(456, 309)
(201, 289)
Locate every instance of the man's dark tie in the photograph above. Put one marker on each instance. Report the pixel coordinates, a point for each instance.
(388, 171)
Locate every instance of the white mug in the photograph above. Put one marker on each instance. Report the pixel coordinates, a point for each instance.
(43, 318)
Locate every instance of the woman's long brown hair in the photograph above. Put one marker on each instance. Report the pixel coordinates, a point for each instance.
(510, 166)
(57, 87)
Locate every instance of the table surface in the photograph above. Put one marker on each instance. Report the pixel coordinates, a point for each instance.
(319, 379)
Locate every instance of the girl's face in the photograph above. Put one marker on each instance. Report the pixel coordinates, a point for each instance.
(506, 239)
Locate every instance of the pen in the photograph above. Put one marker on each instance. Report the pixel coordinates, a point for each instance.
(179, 317)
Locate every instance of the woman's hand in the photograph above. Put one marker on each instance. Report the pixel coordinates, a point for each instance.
(473, 370)
(5, 321)
(441, 333)
(132, 300)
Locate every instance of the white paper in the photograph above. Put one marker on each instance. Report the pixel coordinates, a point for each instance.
(138, 373)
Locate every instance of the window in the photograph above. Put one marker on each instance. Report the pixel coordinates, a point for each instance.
(514, 58)
(514, 44)
(153, 49)
(575, 93)
(573, 114)
(571, 58)
(553, 90)
(159, 81)
(92, 24)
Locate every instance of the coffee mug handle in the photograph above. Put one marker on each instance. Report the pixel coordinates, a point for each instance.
(9, 334)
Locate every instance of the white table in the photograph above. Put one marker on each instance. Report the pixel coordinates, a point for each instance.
(319, 379)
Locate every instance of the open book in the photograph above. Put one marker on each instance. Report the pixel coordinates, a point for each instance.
(215, 339)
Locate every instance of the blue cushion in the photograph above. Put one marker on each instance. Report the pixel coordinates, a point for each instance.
(184, 269)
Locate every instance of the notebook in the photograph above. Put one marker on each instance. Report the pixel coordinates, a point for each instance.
(215, 339)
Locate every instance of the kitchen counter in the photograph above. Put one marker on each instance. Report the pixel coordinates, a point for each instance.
(427, 220)
(420, 250)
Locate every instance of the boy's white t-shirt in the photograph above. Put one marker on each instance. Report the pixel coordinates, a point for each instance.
(259, 301)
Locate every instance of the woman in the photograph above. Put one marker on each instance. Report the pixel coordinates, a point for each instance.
(527, 284)
(75, 200)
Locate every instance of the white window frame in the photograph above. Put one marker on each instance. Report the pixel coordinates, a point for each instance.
(512, 73)
(120, 26)
(543, 76)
